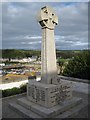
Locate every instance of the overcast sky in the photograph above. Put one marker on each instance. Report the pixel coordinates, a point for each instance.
(21, 30)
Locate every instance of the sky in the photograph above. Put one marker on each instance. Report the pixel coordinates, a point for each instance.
(20, 29)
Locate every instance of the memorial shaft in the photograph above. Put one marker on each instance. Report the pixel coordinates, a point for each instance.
(48, 56)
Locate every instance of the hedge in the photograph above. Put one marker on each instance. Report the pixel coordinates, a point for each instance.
(14, 91)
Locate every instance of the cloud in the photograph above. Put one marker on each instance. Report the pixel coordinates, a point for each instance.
(31, 43)
(32, 37)
(22, 31)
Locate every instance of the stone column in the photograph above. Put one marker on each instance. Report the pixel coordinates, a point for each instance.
(48, 56)
(48, 19)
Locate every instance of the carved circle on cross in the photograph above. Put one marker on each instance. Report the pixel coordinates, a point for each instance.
(47, 18)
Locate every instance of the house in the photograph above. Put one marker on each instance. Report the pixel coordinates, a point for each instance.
(2, 64)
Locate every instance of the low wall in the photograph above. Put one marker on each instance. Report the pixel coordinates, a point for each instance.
(75, 79)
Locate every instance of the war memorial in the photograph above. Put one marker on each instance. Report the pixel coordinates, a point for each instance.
(50, 97)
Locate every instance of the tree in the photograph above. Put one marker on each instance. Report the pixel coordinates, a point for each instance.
(61, 64)
(79, 66)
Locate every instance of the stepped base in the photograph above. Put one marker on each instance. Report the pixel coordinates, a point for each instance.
(31, 110)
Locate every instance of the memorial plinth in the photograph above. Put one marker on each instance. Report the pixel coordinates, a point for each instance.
(50, 96)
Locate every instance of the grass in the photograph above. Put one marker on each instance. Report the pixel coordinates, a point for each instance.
(14, 77)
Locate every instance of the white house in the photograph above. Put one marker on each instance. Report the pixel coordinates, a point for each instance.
(2, 64)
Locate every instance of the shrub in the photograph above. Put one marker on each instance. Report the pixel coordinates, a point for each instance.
(9, 92)
(14, 91)
(23, 88)
(79, 66)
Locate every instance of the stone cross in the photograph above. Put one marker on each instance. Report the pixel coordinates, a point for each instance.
(48, 19)
(50, 91)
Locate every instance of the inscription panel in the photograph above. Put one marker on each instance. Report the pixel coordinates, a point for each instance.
(60, 94)
(36, 93)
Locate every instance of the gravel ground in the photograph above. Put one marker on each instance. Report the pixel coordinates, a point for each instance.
(83, 113)
(9, 113)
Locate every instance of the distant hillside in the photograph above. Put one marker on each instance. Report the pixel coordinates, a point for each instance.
(13, 53)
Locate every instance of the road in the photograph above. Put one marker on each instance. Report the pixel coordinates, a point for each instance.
(11, 85)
